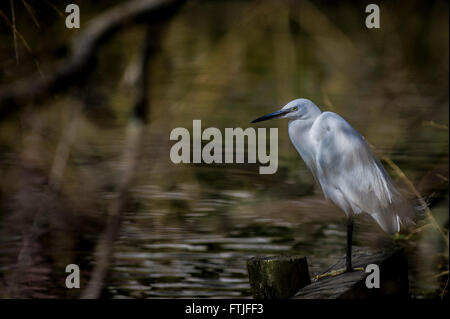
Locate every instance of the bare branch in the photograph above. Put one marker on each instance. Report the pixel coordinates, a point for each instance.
(135, 128)
(83, 49)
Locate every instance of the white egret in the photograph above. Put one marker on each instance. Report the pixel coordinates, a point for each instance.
(341, 161)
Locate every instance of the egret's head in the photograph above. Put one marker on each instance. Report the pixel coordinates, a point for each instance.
(299, 109)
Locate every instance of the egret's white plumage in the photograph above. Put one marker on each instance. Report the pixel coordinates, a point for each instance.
(342, 162)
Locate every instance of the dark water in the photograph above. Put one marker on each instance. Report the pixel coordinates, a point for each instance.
(199, 257)
(188, 229)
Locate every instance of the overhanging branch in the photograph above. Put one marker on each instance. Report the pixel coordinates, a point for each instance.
(73, 70)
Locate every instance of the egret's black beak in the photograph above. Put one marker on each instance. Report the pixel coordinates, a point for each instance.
(271, 116)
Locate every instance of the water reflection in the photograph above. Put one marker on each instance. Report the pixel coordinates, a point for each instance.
(157, 258)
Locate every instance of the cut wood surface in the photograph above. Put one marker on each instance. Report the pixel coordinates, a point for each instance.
(393, 278)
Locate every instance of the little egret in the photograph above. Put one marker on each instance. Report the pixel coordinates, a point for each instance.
(341, 161)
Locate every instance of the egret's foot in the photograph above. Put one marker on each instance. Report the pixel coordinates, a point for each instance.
(354, 269)
(336, 272)
(332, 273)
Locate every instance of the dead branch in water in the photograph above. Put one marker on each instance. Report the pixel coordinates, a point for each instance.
(130, 157)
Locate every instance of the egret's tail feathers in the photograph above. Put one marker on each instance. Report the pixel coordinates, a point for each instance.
(397, 216)
(389, 223)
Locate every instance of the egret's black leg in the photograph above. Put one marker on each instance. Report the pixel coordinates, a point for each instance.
(348, 263)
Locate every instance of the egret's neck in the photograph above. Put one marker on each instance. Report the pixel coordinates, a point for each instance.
(299, 129)
(299, 133)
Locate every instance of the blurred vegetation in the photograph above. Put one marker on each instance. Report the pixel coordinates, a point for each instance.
(187, 229)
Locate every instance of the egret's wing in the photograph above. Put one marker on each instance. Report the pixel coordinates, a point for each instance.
(349, 170)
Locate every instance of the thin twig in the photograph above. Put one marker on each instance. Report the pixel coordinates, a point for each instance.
(13, 18)
(445, 179)
(31, 13)
(436, 125)
(24, 42)
(59, 12)
(445, 288)
(418, 230)
(441, 274)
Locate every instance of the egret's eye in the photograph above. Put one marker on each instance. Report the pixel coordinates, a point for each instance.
(294, 108)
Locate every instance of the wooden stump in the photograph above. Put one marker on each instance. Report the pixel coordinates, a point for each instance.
(277, 277)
